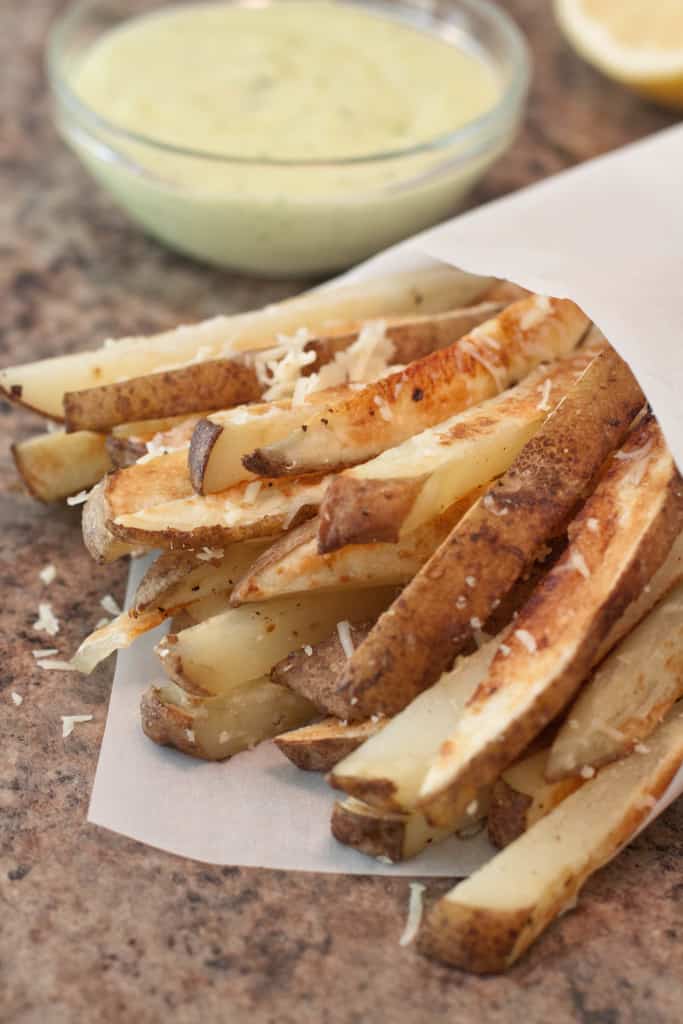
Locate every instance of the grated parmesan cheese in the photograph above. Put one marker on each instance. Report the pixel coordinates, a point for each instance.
(504, 649)
(471, 581)
(461, 602)
(47, 652)
(587, 772)
(17, 699)
(308, 650)
(110, 605)
(55, 665)
(46, 621)
(527, 640)
(354, 700)
(489, 502)
(472, 808)
(69, 721)
(538, 308)
(344, 634)
(578, 562)
(47, 574)
(640, 748)
(544, 404)
(498, 373)
(190, 735)
(475, 623)
(251, 492)
(415, 905)
(209, 554)
(78, 499)
(592, 524)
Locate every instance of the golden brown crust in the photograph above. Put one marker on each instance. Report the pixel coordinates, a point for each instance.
(203, 440)
(213, 384)
(487, 551)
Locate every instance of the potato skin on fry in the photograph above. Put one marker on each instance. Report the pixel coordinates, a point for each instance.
(213, 384)
(492, 545)
(99, 541)
(507, 814)
(314, 675)
(375, 835)
(389, 500)
(203, 440)
(319, 747)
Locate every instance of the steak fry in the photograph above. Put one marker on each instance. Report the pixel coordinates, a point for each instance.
(492, 545)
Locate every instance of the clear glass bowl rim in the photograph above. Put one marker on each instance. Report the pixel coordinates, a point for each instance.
(499, 115)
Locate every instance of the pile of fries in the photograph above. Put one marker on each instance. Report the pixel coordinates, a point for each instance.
(425, 533)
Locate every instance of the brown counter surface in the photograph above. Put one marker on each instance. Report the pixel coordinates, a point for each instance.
(97, 928)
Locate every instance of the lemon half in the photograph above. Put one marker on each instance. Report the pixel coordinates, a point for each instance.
(637, 42)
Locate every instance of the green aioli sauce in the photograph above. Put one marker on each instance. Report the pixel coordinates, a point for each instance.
(301, 80)
(296, 80)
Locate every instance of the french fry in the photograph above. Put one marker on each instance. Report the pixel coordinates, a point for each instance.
(628, 695)
(215, 520)
(487, 922)
(225, 437)
(220, 441)
(388, 770)
(42, 385)
(383, 835)
(55, 466)
(522, 796)
(154, 481)
(406, 486)
(243, 643)
(313, 669)
(491, 546)
(318, 747)
(216, 728)
(100, 543)
(385, 413)
(293, 564)
(618, 540)
(211, 384)
(170, 585)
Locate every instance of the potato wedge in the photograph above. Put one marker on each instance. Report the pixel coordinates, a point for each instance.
(243, 643)
(41, 385)
(220, 441)
(627, 696)
(388, 770)
(100, 543)
(313, 670)
(493, 543)
(171, 584)
(318, 747)
(486, 922)
(293, 563)
(211, 384)
(381, 834)
(216, 520)
(522, 796)
(153, 481)
(55, 466)
(383, 414)
(406, 486)
(216, 728)
(617, 541)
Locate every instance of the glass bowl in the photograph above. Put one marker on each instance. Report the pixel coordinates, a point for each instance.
(301, 218)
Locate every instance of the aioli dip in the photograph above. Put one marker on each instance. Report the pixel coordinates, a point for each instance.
(273, 137)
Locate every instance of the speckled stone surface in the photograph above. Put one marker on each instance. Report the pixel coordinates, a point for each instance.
(96, 928)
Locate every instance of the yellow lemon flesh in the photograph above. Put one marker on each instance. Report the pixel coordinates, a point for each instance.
(634, 42)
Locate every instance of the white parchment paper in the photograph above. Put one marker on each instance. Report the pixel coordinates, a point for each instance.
(608, 234)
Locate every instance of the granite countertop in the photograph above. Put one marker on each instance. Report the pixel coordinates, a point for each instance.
(97, 928)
